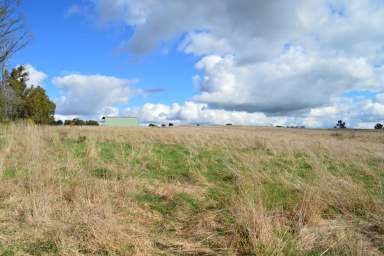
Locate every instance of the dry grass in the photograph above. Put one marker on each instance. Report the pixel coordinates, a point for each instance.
(190, 191)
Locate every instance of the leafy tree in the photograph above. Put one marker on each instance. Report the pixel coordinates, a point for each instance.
(77, 121)
(13, 92)
(25, 102)
(9, 103)
(58, 122)
(38, 106)
(340, 124)
(378, 126)
(92, 122)
(68, 122)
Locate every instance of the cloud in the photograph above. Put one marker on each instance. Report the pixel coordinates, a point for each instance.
(36, 77)
(92, 94)
(297, 80)
(191, 112)
(204, 43)
(256, 57)
(357, 112)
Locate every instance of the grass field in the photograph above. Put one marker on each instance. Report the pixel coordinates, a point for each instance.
(190, 191)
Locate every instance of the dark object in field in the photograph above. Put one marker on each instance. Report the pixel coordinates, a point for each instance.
(229, 124)
(152, 125)
(170, 124)
(295, 127)
(340, 125)
(378, 126)
(163, 125)
(81, 139)
(197, 124)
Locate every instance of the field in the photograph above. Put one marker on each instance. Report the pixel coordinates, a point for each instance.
(190, 191)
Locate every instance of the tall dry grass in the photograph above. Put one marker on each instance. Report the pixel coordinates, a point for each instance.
(190, 191)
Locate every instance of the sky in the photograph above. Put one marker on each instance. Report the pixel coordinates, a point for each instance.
(246, 62)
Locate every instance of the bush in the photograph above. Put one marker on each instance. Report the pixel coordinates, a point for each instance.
(378, 126)
(340, 124)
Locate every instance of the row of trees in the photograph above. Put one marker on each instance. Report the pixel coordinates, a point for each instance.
(79, 122)
(75, 122)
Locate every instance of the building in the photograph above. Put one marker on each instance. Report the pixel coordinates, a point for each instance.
(118, 121)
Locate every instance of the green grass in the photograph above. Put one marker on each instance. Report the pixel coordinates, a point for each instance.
(77, 147)
(107, 150)
(10, 173)
(280, 196)
(3, 141)
(294, 166)
(183, 202)
(102, 173)
(4, 251)
(170, 163)
(42, 248)
(157, 203)
(188, 201)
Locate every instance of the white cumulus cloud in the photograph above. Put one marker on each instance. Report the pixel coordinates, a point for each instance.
(92, 94)
(357, 112)
(36, 77)
(283, 61)
(257, 57)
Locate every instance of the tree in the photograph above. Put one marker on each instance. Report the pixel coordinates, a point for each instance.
(92, 123)
(68, 122)
(12, 94)
(25, 102)
(378, 126)
(79, 122)
(13, 35)
(58, 122)
(340, 124)
(38, 106)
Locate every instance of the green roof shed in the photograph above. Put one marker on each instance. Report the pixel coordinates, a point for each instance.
(113, 121)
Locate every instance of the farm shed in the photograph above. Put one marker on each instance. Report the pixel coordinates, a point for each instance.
(113, 121)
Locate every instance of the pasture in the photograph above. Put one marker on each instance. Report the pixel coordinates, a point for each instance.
(190, 191)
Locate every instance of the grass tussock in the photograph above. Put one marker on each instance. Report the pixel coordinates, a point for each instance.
(190, 191)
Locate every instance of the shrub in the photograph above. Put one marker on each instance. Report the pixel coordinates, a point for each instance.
(378, 126)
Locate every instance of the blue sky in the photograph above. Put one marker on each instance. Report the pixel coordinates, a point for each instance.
(217, 61)
(63, 44)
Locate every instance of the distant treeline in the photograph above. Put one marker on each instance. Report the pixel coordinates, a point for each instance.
(76, 122)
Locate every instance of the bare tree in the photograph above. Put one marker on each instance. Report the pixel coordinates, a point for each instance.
(13, 35)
